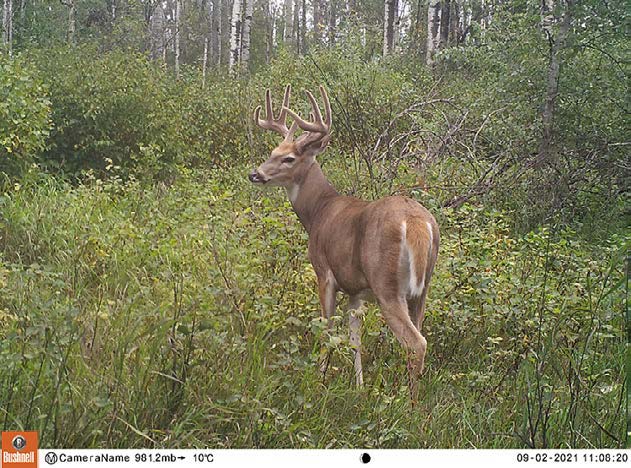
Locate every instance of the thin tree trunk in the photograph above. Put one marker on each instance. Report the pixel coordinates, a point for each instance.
(275, 21)
(235, 35)
(396, 32)
(72, 23)
(417, 22)
(332, 22)
(269, 30)
(557, 43)
(217, 30)
(245, 40)
(7, 26)
(289, 22)
(303, 28)
(204, 62)
(178, 9)
(156, 32)
(22, 12)
(454, 18)
(318, 21)
(433, 31)
(165, 39)
(466, 20)
(445, 15)
(296, 20)
(210, 30)
(388, 27)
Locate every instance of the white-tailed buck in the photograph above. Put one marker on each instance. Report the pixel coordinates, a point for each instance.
(384, 250)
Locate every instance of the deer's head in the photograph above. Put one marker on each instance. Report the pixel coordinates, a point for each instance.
(291, 159)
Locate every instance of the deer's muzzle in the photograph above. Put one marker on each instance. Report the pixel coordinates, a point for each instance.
(256, 178)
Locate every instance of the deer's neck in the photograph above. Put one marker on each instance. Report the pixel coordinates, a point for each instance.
(310, 193)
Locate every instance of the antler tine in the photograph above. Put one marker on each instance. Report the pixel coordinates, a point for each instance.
(317, 115)
(268, 105)
(317, 125)
(270, 123)
(327, 106)
(283, 112)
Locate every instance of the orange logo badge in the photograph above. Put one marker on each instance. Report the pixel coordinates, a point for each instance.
(19, 449)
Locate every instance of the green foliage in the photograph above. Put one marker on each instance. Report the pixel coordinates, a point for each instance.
(115, 109)
(501, 82)
(24, 114)
(134, 316)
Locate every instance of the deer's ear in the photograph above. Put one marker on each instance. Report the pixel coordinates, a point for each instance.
(311, 147)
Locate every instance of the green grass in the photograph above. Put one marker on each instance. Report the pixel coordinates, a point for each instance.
(187, 316)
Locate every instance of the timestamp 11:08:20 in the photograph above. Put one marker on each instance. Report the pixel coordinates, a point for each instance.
(569, 457)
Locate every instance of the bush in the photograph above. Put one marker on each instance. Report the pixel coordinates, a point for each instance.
(116, 109)
(24, 114)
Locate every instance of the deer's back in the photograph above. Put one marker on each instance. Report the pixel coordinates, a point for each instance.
(358, 240)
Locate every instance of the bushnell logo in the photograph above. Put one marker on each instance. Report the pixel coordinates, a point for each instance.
(19, 449)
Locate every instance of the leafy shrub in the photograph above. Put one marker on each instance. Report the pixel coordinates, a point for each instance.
(24, 113)
(114, 109)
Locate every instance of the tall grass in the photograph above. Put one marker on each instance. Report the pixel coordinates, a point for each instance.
(146, 316)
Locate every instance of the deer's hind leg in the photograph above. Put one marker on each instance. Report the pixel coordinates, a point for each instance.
(416, 309)
(396, 314)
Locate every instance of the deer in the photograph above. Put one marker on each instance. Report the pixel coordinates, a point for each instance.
(383, 250)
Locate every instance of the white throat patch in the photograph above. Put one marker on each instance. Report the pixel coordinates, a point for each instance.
(292, 192)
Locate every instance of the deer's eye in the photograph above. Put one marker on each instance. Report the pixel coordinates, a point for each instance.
(288, 160)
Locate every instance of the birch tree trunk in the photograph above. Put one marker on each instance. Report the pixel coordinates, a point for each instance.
(245, 37)
(557, 43)
(388, 27)
(235, 35)
(433, 31)
(303, 28)
(396, 33)
(7, 26)
(178, 9)
(156, 31)
(204, 62)
(467, 18)
(289, 22)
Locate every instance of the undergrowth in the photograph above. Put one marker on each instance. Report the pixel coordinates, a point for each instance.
(140, 315)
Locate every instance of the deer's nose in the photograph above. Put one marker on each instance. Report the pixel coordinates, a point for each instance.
(256, 178)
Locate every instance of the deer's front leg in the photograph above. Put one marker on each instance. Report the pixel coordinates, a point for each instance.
(326, 291)
(355, 313)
